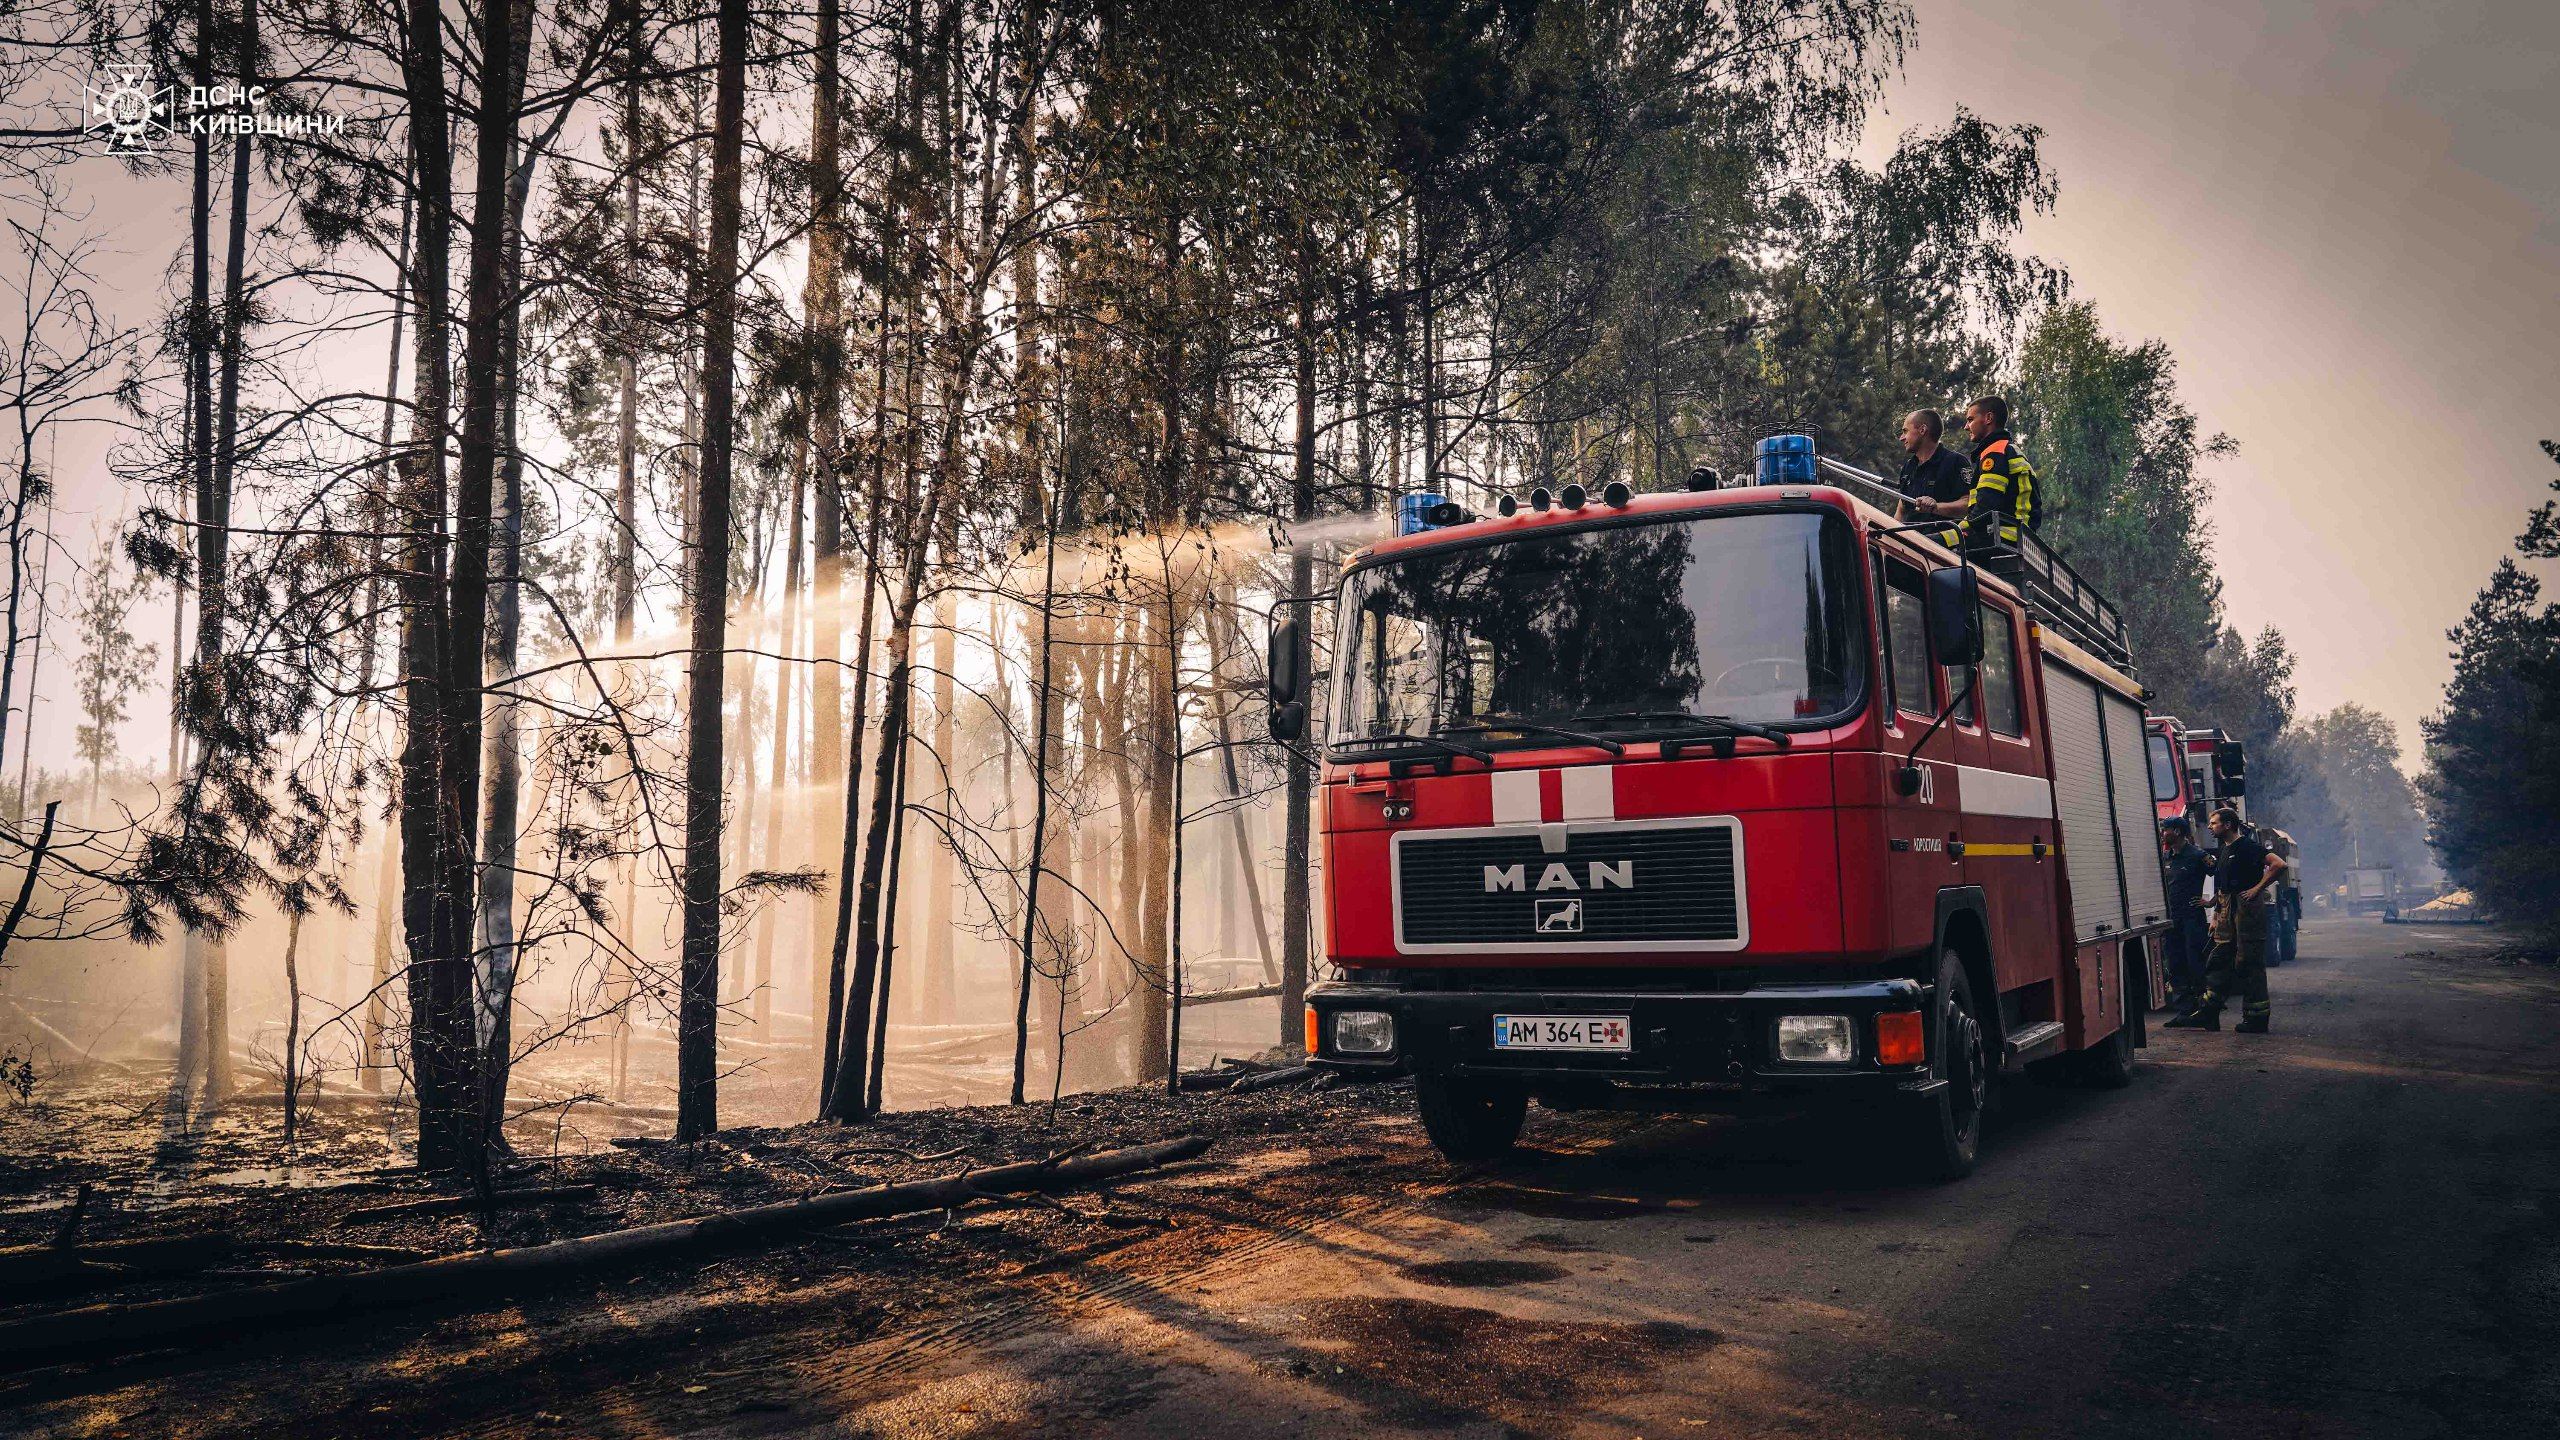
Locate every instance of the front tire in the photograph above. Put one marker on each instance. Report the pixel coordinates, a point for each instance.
(1945, 1137)
(1470, 1119)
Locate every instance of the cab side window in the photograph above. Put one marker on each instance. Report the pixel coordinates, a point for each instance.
(1906, 639)
(2002, 706)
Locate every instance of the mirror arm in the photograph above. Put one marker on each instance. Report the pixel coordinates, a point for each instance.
(1909, 767)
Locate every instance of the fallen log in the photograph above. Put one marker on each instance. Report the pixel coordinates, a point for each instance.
(36, 1272)
(24, 1267)
(463, 1204)
(99, 1331)
(1271, 1079)
(1221, 997)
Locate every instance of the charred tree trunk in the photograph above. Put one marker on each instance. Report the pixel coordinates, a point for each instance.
(1296, 915)
(496, 944)
(435, 1062)
(698, 1001)
(210, 534)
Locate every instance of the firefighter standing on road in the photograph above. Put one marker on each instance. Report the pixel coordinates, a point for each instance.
(2288, 916)
(1933, 477)
(2187, 945)
(2004, 484)
(2243, 879)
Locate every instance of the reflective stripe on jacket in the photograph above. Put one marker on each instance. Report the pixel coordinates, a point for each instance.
(2004, 484)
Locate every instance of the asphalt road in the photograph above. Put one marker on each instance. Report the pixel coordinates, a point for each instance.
(2348, 1228)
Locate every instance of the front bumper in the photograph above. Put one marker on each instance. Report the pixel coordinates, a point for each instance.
(1713, 1040)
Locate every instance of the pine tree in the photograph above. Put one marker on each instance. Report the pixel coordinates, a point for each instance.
(112, 663)
(2493, 751)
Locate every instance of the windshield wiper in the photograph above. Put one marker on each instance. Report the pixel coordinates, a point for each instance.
(1496, 723)
(1723, 727)
(1449, 748)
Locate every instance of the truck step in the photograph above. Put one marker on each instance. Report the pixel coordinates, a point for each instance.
(2034, 1042)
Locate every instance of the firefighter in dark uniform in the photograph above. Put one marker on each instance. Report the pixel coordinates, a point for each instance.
(2184, 949)
(2288, 916)
(2004, 484)
(1934, 481)
(2244, 880)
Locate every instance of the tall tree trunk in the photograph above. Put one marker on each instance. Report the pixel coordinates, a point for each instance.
(496, 919)
(210, 535)
(1296, 915)
(423, 565)
(698, 999)
(848, 837)
(823, 302)
(1050, 699)
(760, 1011)
(845, 1101)
(626, 494)
(936, 990)
(214, 589)
(292, 1022)
(889, 932)
(377, 1000)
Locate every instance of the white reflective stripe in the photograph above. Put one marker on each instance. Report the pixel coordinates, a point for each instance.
(1515, 797)
(1590, 793)
(1999, 792)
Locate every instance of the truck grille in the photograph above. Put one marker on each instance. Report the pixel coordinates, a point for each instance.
(1613, 886)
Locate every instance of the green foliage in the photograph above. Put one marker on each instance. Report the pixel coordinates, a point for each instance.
(2493, 751)
(112, 663)
(2119, 458)
(2349, 803)
(1901, 277)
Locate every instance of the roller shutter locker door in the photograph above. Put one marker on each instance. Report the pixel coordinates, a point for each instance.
(2081, 803)
(2134, 815)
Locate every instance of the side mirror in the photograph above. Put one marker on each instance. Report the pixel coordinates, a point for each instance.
(1289, 721)
(1287, 640)
(1955, 614)
(2230, 768)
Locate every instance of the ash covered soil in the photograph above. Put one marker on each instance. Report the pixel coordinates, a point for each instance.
(2350, 1227)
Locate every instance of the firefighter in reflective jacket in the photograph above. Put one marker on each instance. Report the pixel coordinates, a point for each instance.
(2004, 484)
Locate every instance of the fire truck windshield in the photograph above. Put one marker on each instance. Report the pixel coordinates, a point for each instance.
(1755, 617)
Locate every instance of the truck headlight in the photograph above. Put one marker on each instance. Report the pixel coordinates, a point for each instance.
(1363, 1032)
(1814, 1039)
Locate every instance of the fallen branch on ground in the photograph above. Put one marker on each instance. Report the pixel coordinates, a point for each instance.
(1271, 1079)
(30, 1271)
(462, 1204)
(99, 1331)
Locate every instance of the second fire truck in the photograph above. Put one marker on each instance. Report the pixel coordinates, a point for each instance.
(1704, 799)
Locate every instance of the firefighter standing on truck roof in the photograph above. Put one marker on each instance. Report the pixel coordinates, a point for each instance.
(2244, 880)
(2004, 484)
(1933, 477)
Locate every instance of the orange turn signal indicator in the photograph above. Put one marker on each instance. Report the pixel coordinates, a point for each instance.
(1311, 1029)
(1900, 1040)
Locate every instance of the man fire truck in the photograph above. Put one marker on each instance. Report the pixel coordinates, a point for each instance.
(1705, 799)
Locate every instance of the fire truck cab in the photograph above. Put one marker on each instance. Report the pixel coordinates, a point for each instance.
(1711, 799)
(2196, 771)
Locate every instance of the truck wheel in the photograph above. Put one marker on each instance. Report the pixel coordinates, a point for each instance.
(1470, 1119)
(1945, 1138)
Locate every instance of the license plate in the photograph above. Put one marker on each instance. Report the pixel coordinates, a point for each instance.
(1560, 1032)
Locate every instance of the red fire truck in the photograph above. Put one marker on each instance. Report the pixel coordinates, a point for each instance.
(2195, 772)
(1710, 799)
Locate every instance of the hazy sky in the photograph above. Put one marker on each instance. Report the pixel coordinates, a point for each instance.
(2344, 218)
